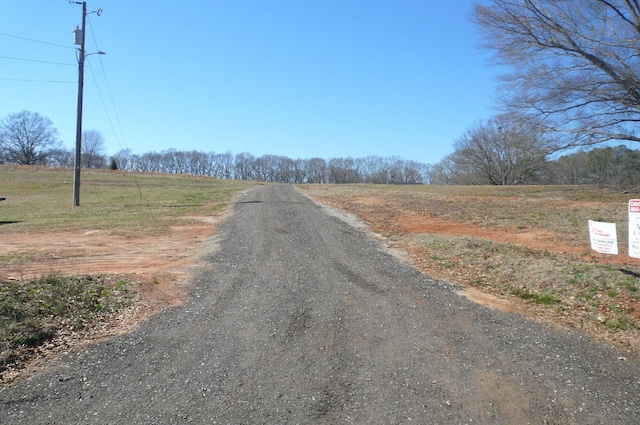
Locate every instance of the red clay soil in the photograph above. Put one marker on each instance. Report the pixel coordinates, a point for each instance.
(164, 259)
(386, 219)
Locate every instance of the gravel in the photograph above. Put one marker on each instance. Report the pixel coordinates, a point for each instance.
(297, 317)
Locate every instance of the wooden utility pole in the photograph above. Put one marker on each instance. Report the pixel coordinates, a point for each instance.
(77, 161)
(79, 40)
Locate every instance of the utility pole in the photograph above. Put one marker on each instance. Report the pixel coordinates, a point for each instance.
(78, 157)
(79, 40)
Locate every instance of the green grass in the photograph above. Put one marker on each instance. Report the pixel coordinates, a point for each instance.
(545, 299)
(537, 276)
(33, 312)
(41, 199)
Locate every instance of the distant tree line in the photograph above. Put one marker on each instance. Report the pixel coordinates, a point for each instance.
(31, 139)
(506, 150)
(275, 168)
(611, 166)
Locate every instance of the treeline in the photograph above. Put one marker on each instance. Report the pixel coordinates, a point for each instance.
(616, 166)
(275, 168)
(29, 138)
(610, 166)
(505, 150)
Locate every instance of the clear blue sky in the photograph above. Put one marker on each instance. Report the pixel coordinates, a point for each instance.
(303, 78)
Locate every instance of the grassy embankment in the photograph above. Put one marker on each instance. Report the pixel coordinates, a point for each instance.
(34, 311)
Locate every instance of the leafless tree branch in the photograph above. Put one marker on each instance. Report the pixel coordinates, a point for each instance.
(576, 64)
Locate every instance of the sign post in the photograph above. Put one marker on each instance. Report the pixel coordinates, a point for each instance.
(634, 228)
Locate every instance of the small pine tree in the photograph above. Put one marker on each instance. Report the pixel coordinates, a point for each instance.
(114, 165)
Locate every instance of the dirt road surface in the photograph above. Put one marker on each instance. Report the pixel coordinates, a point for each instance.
(296, 317)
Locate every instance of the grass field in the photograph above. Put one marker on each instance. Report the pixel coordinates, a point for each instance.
(41, 199)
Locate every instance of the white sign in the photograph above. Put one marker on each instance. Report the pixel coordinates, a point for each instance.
(603, 237)
(634, 228)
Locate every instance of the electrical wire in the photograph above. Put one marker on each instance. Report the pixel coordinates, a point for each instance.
(36, 41)
(115, 110)
(25, 80)
(113, 105)
(37, 81)
(104, 106)
(38, 61)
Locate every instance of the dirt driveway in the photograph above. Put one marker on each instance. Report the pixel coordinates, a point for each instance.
(296, 317)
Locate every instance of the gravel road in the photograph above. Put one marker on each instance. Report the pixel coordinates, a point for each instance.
(296, 317)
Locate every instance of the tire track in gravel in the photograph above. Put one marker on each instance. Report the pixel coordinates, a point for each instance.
(297, 317)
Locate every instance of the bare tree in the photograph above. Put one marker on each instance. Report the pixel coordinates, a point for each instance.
(344, 170)
(60, 158)
(93, 149)
(569, 169)
(27, 138)
(316, 170)
(123, 159)
(502, 151)
(226, 159)
(243, 169)
(413, 172)
(576, 64)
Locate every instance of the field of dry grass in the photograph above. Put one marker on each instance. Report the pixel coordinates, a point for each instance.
(526, 248)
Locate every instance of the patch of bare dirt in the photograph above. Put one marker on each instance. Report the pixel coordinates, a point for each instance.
(389, 219)
(491, 301)
(164, 259)
(157, 266)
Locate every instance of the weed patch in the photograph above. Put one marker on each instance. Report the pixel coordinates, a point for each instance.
(545, 299)
(33, 312)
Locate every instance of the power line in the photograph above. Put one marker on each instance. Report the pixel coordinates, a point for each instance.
(113, 105)
(115, 110)
(38, 61)
(36, 41)
(36, 81)
(104, 106)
